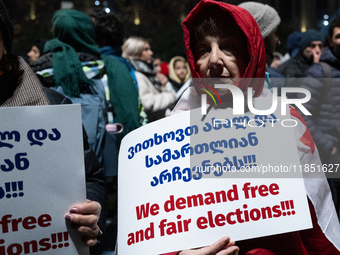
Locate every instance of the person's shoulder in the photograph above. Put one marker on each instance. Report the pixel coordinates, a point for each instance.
(282, 68)
(141, 76)
(316, 70)
(274, 73)
(55, 97)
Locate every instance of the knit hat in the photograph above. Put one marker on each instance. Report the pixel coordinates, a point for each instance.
(6, 27)
(266, 17)
(293, 43)
(309, 36)
(40, 44)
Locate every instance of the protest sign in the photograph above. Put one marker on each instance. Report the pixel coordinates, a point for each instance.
(42, 176)
(165, 203)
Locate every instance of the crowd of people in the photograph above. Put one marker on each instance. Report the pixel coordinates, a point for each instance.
(121, 86)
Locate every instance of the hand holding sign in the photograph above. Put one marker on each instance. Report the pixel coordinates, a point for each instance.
(42, 171)
(84, 218)
(224, 246)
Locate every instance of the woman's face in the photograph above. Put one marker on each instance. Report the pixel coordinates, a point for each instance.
(224, 57)
(146, 53)
(180, 70)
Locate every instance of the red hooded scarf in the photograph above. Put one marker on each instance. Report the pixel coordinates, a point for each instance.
(256, 50)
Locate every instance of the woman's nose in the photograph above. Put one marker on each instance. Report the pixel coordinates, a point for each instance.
(215, 60)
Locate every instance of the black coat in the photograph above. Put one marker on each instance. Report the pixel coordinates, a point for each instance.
(294, 70)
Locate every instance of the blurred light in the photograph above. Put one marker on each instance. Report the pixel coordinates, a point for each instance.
(32, 11)
(303, 24)
(325, 16)
(137, 20)
(97, 3)
(105, 3)
(325, 23)
(107, 10)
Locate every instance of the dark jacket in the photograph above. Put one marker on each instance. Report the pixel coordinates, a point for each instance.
(294, 70)
(296, 67)
(324, 123)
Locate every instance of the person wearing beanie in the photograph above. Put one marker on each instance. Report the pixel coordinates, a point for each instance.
(36, 50)
(310, 48)
(268, 20)
(293, 43)
(311, 45)
(20, 87)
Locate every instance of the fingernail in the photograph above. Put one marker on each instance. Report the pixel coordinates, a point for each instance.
(73, 210)
(68, 217)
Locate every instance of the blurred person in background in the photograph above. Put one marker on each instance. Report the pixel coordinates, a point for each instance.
(293, 46)
(268, 21)
(310, 48)
(36, 50)
(155, 90)
(179, 75)
(110, 37)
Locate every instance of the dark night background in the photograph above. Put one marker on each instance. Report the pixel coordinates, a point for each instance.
(160, 21)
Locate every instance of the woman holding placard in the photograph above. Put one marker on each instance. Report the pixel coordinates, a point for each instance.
(224, 41)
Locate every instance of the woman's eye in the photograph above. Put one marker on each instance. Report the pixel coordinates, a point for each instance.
(226, 46)
(201, 51)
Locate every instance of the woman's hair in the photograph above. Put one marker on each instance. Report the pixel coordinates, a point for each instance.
(133, 47)
(109, 30)
(215, 25)
(209, 26)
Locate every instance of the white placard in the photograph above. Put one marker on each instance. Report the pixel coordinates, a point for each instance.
(42, 176)
(166, 205)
